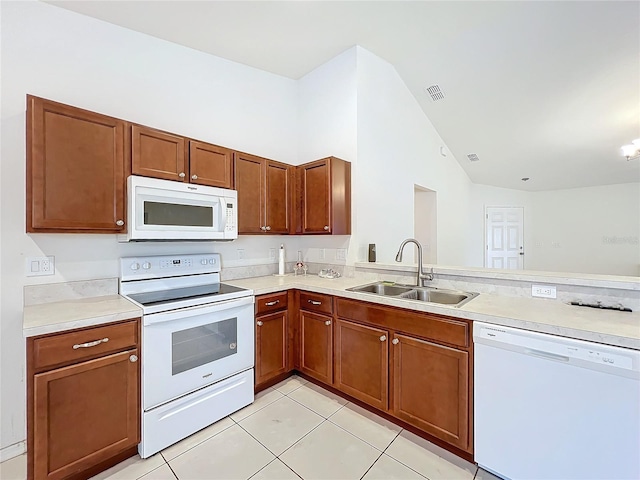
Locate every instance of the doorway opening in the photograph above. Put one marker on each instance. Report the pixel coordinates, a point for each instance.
(425, 225)
(504, 238)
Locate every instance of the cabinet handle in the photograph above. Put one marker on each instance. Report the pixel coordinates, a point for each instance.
(264, 229)
(181, 175)
(194, 177)
(267, 228)
(383, 338)
(395, 341)
(327, 323)
(271, 304)
(90, 344)
(326, 227)
(259, 323)
(314, 302)
(119, 222)
(133, 358)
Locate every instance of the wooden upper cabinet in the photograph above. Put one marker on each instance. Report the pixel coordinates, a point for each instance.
(362, 362)
(210, 165)
(158, 154)
(264, 194)
(249, 179)
(76, 169)
(277, 197)
(431, 388)
(325, 197)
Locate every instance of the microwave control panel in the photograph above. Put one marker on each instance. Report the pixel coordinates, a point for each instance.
(231, 217)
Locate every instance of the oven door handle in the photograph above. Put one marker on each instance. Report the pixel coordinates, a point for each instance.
(155, 318)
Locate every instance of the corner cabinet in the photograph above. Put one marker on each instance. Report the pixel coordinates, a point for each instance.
(264, 195)
(77, 164)
(83, 400)
(324, 191)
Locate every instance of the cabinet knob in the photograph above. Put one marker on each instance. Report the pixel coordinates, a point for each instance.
(259, 323)
(267, 228)
(133, 358)
(119, 222)
(328, 322)
(263, 228)
(326, 227)
(383, 338)
(395, 341)
(181, 175)
(194, 177)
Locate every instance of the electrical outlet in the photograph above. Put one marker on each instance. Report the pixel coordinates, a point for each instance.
(272, 254)
(39, 266)
(341, 254)
(543, 291)
(321, 253)
(241, 254)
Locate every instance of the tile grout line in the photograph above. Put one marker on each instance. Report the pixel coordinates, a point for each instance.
(371, 466)
(394, 458)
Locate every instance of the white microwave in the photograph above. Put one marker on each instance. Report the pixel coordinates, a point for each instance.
(167, 210)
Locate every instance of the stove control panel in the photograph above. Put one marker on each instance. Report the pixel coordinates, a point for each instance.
(135, 268)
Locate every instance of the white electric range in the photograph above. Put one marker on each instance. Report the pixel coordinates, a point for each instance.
(197, 344)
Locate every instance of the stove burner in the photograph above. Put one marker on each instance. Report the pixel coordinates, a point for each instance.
(168, 296)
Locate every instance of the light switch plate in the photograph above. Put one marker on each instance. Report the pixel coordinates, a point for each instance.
(40, 266)
(543, 291)
(341, 254)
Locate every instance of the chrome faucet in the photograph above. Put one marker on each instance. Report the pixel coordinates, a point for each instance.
(421, 275)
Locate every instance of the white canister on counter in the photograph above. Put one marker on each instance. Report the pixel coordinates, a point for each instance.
(281, 260)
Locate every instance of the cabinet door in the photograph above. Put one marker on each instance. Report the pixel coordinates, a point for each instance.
(430, 388)
(316, 355)
(75, 169)
(278, 197)
(210, 165)
(84, 414)
(362, 362)
(249, 182)
(158, 154)
(271, 346)
(316, 197)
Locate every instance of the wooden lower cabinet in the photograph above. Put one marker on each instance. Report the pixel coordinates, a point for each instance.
(361, 362)
(83, 415)
(430, 388)
(271, 346)
(316, 346)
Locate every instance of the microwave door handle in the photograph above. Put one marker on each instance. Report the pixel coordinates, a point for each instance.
(223, 213)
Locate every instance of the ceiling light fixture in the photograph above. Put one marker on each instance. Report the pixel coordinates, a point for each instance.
(632, 150)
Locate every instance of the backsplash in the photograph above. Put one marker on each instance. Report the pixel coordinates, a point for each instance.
(58, 292)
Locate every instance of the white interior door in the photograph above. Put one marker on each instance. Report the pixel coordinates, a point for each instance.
(504, 227)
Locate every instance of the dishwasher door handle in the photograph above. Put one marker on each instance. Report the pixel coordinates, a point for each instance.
(548, 355)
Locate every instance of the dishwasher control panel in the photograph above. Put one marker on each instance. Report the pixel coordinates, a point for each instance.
(552, 347)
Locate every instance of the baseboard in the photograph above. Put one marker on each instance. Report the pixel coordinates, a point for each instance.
(13, 450)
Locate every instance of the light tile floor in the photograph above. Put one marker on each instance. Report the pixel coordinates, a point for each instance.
(293, 430)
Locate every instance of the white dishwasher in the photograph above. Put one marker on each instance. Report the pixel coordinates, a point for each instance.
(548, 407)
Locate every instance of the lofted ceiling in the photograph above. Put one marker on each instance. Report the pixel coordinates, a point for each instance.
(545, 90)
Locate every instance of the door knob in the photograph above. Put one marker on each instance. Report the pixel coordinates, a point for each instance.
(395, 341)
(259, 323)
(133, 358)
(267, 228)
(119, 222)
(194, 177)
(328, 322)
(383, 338)
(326, 227)
(181, 175)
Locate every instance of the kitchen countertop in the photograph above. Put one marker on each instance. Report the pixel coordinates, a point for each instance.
(546, 316)
(76, 313)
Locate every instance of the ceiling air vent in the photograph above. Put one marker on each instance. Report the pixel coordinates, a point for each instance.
(435, 92)
(473, 157)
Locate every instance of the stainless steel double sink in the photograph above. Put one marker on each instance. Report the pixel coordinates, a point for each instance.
(457, 298)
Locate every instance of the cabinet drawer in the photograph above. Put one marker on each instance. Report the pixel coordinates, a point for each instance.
(316, 302)
(271, 303)
(439, 328)
(83, 344)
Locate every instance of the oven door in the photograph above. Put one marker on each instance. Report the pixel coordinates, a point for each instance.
(187, 349)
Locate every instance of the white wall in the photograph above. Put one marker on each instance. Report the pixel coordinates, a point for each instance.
(588, 230)
(70, 58)
(580, 230)
(398, 147)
